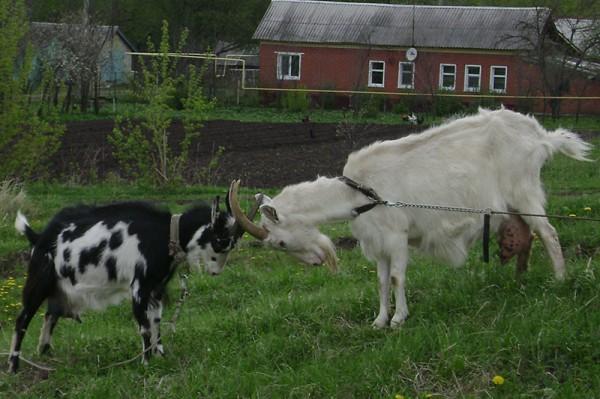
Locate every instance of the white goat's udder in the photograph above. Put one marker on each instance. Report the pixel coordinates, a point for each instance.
(96, 297)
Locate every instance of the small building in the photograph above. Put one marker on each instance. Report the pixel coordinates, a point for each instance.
(393, 49)
(107, 45)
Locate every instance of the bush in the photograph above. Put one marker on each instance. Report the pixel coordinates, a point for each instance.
(446, 106)
(295, 101)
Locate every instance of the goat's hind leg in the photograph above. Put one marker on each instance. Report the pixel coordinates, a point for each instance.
(549, 237)
(51, 317)
(31, 304)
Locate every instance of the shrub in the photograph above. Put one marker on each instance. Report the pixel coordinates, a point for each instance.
(295, 101)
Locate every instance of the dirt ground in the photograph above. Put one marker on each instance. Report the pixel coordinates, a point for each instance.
(261, 154)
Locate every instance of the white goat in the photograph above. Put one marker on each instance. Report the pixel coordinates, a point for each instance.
(488, 160)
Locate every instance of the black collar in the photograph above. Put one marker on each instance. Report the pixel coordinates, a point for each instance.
(367, 191)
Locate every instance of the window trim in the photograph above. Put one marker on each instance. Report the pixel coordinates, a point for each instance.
(370, 83)
(441, 77)
(412, 77)
(467, 75)
(288, 76)
(493, 75)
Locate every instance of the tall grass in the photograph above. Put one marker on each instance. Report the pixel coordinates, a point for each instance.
(269, 327)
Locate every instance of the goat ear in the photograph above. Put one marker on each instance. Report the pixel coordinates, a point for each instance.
(214, 211)
(269, 212)
(262, 199)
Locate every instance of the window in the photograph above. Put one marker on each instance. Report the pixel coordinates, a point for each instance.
(406, 75)
(472, 77)
(376, 73)
(447, 76)
(288, 66)
(498, 77)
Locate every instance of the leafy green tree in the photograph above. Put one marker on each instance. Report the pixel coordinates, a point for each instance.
(26, 140)
(143, 145)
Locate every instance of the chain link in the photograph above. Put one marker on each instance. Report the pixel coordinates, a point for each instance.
(400, 204)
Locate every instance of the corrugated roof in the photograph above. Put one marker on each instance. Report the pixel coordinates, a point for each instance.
(392, 24)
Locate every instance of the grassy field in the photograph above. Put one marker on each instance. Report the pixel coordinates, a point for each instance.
(269, 327)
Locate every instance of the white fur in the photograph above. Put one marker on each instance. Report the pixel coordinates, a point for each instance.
(21, 223)
(488, 160)
(93, 289)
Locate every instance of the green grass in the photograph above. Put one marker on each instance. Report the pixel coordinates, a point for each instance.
(275, 115)
(269, 327)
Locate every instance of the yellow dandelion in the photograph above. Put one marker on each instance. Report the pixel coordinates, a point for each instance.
(572, 215)
(498, 380)
(398, 396)
(587, 209)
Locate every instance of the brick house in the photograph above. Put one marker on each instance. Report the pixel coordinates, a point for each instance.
(389, 48)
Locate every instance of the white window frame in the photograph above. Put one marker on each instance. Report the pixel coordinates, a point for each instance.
(467, 75)
(371, 70)
(441, 77)
(287, 75)
(493, 76)
(400, 74)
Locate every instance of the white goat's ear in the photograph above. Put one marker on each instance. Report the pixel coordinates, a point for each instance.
(269, 212)
(214, 210)
(262, 199)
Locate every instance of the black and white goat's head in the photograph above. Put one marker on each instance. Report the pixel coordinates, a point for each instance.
(209, 244)
(289, 233)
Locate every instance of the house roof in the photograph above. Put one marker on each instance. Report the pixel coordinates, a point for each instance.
(308, 21)
(46, 31)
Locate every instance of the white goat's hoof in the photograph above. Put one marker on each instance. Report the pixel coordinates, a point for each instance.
(397, 321)
(380, 323)
(159, 351)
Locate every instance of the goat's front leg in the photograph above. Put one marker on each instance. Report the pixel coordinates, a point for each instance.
(140, 311)
(383, 277)
(399, 263)
(155, 315)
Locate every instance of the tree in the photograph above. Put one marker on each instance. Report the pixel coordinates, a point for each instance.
(26, 140)
(143, 145)
(557, 54)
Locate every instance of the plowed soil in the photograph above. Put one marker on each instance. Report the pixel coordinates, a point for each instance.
(261, 154)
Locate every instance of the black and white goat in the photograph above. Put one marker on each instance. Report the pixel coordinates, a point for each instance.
(488, 160)
(89, 257)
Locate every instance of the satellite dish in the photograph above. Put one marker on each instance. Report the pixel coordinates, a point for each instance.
(411, 54)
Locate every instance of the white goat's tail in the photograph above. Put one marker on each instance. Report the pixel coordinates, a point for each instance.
(569, 144)
(22, 226)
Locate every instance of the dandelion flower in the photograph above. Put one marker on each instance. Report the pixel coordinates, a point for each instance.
(398, 396)
(498, 380)
(587, 209)
(572, 215)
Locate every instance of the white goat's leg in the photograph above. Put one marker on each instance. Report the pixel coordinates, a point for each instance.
(154, 315)
(398, 279)
(549, 237)
(383, 276)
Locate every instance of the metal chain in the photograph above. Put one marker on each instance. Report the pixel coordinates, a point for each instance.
(400, 204)
(487, 211)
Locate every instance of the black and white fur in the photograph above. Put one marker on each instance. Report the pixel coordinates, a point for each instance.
(89, 257)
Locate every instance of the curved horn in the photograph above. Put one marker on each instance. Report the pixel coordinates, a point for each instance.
(240, 218)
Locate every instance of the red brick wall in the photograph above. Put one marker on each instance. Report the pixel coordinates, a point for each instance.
(346, 68)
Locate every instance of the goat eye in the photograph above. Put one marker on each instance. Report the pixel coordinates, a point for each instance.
(282, 244)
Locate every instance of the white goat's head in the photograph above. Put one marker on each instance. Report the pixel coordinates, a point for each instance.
(285, 232)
